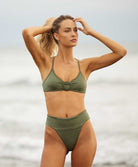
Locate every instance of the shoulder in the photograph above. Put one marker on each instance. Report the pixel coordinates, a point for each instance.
(85, 66)
(84, 63)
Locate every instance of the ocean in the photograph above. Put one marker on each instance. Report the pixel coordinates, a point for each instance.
(111, 100)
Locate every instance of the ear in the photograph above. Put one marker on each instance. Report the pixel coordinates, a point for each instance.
(56, 36)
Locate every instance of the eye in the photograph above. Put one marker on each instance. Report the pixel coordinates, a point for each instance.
(75, 29)
(66, 30)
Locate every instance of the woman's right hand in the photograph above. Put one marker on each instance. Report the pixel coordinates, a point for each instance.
(49, 22)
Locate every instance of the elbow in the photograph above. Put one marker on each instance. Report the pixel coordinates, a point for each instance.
(122, 52)
(25, 32)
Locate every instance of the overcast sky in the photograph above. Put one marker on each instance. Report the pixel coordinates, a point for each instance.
(117, 19)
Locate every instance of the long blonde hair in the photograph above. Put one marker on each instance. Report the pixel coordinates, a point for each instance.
(47, 41)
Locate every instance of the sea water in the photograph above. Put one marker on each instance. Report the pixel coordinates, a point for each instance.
(111, 100)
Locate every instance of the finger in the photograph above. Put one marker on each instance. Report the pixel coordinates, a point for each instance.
(79, 20)
(79, 28)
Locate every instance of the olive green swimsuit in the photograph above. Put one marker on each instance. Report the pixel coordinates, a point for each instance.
(54, 83)
(67, 128)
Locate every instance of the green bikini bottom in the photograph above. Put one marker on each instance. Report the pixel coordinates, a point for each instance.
(68, 128)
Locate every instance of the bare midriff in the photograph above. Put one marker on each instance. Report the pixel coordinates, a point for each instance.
(64, 104)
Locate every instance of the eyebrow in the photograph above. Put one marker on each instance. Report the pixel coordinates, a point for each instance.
(69, 27)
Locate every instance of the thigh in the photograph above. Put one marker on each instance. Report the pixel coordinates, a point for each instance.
(85, 149)
(54, 151)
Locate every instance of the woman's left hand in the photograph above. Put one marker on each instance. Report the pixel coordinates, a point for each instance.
(86, 28)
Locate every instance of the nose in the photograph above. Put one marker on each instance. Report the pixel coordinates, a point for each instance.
(73, 33)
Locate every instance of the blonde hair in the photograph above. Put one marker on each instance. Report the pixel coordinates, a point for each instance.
(47, 41)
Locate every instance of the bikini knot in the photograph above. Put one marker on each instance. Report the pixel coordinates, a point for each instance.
(66, 85)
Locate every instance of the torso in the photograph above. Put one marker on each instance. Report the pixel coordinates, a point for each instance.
(64, 103)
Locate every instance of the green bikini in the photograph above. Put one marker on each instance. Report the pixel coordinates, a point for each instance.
(67, 128)
(54, 83)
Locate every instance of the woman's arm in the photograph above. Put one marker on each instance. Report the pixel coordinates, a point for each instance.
(95, 63)
(31, 44)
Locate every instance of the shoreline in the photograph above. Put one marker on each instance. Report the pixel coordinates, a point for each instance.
(9, 162)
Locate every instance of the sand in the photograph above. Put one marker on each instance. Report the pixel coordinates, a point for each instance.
(5, 162)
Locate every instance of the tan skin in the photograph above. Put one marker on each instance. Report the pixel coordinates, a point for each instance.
(68, 103)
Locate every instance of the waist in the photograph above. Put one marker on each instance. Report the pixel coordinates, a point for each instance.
(61, 104)
(56, 122)
(65, 113)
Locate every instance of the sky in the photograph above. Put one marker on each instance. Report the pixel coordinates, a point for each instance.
(116, 19)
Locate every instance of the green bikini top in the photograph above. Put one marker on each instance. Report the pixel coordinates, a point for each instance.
(54, 83)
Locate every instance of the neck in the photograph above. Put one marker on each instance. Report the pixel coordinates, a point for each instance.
(65, 54)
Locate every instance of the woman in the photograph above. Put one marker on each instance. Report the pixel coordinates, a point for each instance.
(68, 126)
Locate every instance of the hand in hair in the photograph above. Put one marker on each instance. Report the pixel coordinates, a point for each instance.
(49, 22)
(86, 28)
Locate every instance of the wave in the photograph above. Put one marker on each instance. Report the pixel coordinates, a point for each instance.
(119, 164)
(115, 81)
(26, 146)
(27, 82)
(12, 159)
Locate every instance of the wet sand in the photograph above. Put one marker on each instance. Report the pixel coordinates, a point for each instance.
(9, 162)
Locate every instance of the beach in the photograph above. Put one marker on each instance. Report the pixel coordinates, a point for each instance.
(20, 163)
(111, 101)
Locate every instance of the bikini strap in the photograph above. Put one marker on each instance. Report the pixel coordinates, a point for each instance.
(53, 62)
(78, 63)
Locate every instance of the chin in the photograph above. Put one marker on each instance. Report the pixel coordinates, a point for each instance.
(73, 45)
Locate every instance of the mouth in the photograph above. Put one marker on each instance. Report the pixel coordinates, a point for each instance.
(74, 40)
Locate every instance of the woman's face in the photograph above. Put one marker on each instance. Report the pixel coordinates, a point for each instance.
(67, 34)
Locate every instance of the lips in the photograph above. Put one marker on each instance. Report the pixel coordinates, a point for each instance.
(74, 40)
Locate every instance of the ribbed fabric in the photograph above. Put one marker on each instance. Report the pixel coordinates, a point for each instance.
(54, 83)
(68, 128)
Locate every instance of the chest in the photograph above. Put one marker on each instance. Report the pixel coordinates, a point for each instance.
(66, 72)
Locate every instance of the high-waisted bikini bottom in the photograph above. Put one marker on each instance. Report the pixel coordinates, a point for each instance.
(68, 128)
